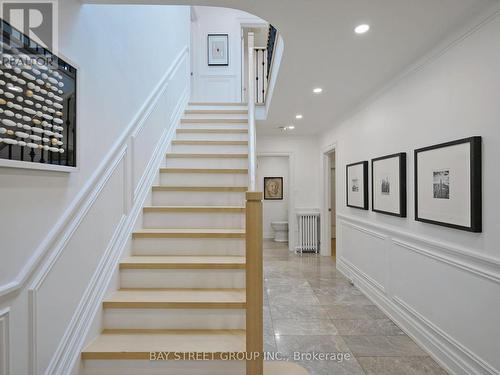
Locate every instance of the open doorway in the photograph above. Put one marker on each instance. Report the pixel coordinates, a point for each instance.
(275, 168)
(329, 204)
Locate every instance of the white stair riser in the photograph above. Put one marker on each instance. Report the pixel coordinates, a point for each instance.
(134, 367)
(203, 179)
(212, 136)
(174, 319)
(193, 220)
(215, 116)
(213, 125)
(189, 246)
(179, 278)
(206, 163)
(218, 107)
(209, 149)
(198, 198)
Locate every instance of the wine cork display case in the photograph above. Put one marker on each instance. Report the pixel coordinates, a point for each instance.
(37, 103)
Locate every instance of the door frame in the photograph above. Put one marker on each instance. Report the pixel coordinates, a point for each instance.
(326, 226)
(291, 197)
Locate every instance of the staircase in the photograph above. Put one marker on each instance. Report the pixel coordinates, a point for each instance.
(182, 290)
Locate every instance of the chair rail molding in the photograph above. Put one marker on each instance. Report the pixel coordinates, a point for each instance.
(83, 199)
(454, 255)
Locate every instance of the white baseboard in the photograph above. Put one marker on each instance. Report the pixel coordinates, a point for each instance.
(450, 354)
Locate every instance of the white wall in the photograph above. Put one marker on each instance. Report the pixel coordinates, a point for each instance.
(442, 285)
(57, 229)
(217, 83)
(304, 172)
(274, 210)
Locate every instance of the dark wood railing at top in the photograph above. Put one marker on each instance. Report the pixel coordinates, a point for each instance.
(262, 65)
(271, 43)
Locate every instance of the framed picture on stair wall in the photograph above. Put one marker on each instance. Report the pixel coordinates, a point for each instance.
(357, 185)
(218, 49)
(448, 184)
(389, 185)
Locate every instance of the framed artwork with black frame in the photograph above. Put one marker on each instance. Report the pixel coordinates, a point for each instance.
(357, 185)
(389, 184)
(218, 49)
(448, 184)
(273, 188)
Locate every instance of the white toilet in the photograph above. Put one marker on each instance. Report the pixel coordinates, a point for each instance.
(280, 231)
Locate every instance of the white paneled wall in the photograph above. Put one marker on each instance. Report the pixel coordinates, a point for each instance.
(441, 285)
(54, 274)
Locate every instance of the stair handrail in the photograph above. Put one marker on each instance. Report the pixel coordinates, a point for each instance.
(253, 239)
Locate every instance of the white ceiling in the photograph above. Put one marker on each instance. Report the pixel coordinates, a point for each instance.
(322, 50)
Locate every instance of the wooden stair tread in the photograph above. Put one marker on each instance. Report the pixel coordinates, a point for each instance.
(183, 262)
(210, 131)
(216, 111)
(239, 189)
(190, 233)
(140, 345)
(207, 156)
(177, 298)
(205, 170)
(227, 209)
(203, 142)
(219, 121)
(214, 104)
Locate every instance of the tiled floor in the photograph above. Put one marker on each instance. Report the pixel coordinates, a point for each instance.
(309, 307)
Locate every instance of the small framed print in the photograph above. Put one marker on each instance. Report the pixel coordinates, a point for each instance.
(448, 184)
(357, 185)
(218, 49)
(273, 188)
(389, 185)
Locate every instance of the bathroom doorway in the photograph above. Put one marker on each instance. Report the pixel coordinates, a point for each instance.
(274, 169)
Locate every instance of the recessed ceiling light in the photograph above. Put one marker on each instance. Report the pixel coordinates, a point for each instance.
(361, 29)
(298, 117)
(291, 127)
(317, 90)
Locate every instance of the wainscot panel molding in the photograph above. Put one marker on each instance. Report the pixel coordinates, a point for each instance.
(482, 273)
(481, 264)
(4, 341)
(369, 255)
(68, 352)
(170, 96)
(85, 195)
(447, 352)
(468, 360)
(362, 274)
(225, 85)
